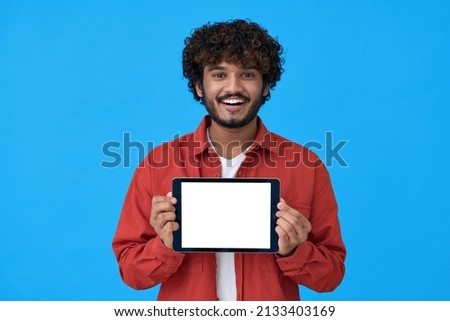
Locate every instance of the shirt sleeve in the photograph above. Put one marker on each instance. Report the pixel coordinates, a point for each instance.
(144, 260)
(318, 263)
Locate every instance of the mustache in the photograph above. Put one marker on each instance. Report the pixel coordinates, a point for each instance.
(245, 98)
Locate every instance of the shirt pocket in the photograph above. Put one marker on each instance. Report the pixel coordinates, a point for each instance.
(303, 208)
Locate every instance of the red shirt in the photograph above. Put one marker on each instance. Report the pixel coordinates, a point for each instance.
(145, 261)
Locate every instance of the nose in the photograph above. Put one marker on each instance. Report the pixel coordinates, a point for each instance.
(233, 84)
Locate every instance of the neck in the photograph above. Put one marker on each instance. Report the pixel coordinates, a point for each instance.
(230, 142)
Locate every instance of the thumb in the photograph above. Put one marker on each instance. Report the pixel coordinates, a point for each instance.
(172, 199)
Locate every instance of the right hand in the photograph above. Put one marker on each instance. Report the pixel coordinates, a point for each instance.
(162, 218)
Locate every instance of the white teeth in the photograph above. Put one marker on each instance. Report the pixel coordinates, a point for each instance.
(233, 101)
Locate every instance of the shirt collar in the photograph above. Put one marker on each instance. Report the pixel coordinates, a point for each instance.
(264, 138)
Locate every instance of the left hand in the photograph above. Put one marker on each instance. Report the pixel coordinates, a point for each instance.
(292, 228)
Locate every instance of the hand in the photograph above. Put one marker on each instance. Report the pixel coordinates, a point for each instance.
(162, 218)
(292, 228)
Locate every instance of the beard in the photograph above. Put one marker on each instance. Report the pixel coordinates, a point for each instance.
(233, 123)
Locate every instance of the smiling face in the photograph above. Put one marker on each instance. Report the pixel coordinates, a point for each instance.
(232, 94)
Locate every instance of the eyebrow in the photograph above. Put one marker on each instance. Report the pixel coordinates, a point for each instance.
(216, 67)
(220, 68)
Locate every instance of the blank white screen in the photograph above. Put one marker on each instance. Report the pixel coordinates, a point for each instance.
(225, 215)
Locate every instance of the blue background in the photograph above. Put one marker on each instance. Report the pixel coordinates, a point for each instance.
(75, 75)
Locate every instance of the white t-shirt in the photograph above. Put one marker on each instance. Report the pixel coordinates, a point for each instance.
(226, 274)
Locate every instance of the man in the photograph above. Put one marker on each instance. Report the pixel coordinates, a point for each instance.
(231, 68)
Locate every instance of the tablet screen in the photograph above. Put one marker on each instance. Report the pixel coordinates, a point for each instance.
(233, 215)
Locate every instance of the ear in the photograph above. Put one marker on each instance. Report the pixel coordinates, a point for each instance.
(265, 90)
(199, 89)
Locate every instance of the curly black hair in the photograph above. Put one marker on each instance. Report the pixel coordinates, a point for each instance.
(240, 42)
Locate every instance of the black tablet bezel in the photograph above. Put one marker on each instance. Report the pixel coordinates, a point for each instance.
(275, 198)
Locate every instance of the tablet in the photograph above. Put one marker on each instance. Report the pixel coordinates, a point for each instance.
(226, 214)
